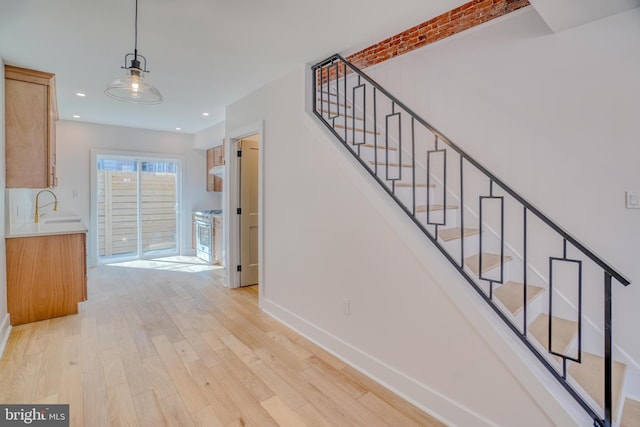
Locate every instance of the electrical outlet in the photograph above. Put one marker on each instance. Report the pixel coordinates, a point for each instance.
(633, 199)
(346, 306)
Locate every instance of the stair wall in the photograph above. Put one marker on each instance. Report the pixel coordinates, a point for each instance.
(329, 235)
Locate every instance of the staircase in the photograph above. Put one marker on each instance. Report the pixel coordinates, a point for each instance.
(541, 281)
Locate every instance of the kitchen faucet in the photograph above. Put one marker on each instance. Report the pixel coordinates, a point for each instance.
(55, 204)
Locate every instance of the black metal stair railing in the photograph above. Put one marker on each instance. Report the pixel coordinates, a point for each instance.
(425, 173)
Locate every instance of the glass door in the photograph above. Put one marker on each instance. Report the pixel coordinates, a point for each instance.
(158, 202)
(137, 207)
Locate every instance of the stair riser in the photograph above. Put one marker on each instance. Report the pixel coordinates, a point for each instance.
(470, 246)
(405, 194)
(494, 275)
(353, 120)
(357, 130)
(368, 154)
(534, 308)
(333, 110)
(450, 215)
(367, 138)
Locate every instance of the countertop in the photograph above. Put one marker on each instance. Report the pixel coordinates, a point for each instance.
(44, 229)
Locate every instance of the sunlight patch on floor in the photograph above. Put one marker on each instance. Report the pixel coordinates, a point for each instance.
(187, 264)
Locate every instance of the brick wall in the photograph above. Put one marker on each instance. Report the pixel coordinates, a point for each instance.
(462, 18)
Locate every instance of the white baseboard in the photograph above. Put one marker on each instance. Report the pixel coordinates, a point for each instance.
(425, 398)
(5, 331)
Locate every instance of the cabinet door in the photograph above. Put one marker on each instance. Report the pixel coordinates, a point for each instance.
(27, 151)
(30, 112)
(217, 184)
(46, 276)
(218, 155)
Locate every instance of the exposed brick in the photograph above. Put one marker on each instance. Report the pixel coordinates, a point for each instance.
(516, 4)
(449, 23)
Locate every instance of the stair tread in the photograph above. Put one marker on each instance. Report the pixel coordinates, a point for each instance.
(338, 125)
(349, 116)
(379, 147)
(405, 165)
(434, 207)
(489, 262)
(511, 295)
(630, 413)
(455, 233)
(564, 332)
(333, 103)
(408, 184)
(590, 375)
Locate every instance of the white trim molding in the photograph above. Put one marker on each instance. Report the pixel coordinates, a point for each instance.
(230, 202)
(5, 331)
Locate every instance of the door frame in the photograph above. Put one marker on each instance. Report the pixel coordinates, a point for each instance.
(231, 200)
(92, 240)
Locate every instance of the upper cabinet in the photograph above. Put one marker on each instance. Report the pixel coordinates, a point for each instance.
(215, 157)
(31, 112)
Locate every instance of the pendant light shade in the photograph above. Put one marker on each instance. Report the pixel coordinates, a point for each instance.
(132, 87)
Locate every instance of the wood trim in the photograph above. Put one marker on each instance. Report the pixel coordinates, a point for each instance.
(27, 75)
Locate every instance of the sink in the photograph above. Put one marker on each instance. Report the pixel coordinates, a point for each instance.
(60, 219)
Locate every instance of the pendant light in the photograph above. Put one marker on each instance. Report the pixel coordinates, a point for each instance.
(132, 87)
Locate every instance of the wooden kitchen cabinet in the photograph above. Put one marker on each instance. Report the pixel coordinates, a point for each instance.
(215, 157)
(46, 276)
(30, 128)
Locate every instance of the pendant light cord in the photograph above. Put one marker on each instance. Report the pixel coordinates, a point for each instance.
(135, 43)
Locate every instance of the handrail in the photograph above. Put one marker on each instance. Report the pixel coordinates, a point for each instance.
(329, 71)
(574, 241)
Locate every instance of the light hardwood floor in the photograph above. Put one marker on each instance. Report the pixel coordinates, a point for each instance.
(159, 347)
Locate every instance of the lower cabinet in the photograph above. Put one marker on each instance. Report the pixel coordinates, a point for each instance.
(46, 276)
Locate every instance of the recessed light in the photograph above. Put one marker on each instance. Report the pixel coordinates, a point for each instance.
(178, 128)
(75, 116)
(205, 114)
(80, 94)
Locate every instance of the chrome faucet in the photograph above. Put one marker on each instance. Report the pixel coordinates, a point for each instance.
(55, 203)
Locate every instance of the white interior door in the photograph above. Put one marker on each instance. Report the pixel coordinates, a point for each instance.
(249, 212)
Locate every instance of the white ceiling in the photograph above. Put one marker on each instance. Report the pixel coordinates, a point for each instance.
(563, 14)
(202, 54)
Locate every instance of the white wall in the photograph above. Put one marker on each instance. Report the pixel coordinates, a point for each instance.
(329, 235)
(553, 115)
(75, 141)
(4, 320)
(209, 137)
